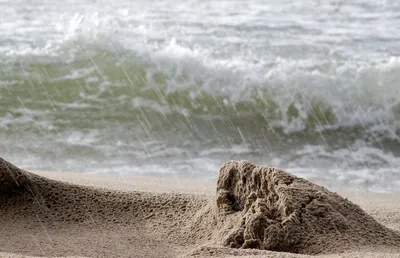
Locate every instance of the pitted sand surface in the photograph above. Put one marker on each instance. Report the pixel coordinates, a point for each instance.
(281, 212)
(40, 216)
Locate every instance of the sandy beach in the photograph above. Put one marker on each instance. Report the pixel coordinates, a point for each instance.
(81, 215)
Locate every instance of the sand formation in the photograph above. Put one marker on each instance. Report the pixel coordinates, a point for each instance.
(267, 208)
(255, 208)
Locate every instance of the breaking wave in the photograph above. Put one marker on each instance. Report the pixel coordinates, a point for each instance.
(174, 80)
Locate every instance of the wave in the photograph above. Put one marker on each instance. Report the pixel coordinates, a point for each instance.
(105, 79)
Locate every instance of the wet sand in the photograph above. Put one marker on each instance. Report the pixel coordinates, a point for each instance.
(80, 215)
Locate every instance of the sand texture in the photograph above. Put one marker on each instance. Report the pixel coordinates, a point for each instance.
(281, 212)
(255, 212)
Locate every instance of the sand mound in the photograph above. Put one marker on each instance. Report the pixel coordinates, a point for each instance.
(267, 208)
(40, 217)
(60, 201)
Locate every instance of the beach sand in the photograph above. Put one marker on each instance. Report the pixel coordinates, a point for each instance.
(249, 208)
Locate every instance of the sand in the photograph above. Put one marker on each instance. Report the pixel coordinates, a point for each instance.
(251, 211)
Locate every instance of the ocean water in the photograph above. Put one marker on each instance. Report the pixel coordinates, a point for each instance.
(174, 88)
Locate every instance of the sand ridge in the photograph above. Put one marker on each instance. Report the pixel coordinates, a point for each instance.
(51, 211)
(254, 207)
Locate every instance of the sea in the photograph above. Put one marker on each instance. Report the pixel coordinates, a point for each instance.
(175, 88)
